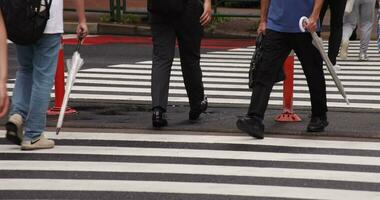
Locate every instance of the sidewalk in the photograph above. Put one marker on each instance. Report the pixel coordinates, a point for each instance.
(232, 28)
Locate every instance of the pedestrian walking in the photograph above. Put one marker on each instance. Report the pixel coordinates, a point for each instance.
(3, 68)
(279, 22)
(337, 9)
(181, 20)
(34, 80)
(362, 16)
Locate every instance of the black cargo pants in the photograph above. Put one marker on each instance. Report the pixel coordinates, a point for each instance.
(276, 48)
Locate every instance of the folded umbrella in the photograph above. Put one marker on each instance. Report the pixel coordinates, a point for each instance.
(73, 66)
(318, 43)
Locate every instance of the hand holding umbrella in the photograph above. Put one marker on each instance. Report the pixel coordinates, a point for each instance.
(318, 43)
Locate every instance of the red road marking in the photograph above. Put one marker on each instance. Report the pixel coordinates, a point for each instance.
(206, 43)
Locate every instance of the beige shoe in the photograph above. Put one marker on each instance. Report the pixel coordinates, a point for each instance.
(14, 129)
(344, 50)
(38, 143)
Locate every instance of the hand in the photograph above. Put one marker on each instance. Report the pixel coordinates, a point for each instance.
(82, 30)
(207, 14)
(311, 25)
(4, 100)
(262, 28)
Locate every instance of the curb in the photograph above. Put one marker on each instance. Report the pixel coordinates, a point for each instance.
(142, 30)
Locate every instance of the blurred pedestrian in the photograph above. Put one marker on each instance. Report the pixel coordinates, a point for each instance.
(34, 81)
(362, 16)
(3, 68)
(279, 23)
(182, 21)
(337, 9)
(378, 24)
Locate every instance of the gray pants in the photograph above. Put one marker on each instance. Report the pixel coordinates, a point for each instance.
(187, 30)
(362, 15)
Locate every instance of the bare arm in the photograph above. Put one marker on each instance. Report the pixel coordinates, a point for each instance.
(207, 13)
(3, 68)
(82, 24)
(263, 16)
(312, 25)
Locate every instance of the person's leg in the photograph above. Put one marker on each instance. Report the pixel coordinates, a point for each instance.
(350, 21)
(336, 28)
(21, 94)
(44, 68)
(24, 81)
(275, 51)
(349, 25)
(324, 8)
(366, 14)
(189, 32)
(164, 40)
(312, 64)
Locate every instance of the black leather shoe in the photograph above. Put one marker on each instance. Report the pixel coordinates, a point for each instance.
(251, 125)
(194, 114)
(159, 118)
(317, 124)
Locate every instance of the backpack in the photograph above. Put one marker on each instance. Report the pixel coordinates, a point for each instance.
(166, 7)
(25, 20)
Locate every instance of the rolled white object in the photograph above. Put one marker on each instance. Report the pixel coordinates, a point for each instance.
(349, 6)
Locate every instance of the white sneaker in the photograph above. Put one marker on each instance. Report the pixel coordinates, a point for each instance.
(14, 129)
(38, 143)
(344, 50)
(337, 67)
(363, 57)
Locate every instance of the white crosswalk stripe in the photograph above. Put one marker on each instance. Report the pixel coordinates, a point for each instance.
(212, 166)
(225, 79)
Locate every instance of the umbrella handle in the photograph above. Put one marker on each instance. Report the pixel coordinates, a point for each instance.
(301, 23)
(80, 41)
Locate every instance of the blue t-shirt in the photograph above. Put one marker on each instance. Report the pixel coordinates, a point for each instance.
(284, 15)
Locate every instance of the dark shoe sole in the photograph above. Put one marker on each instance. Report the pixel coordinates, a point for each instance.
(158, 124)
(241, 126)
(13, 138)
(316, 130)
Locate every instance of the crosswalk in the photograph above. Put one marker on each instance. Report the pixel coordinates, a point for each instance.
(225, 79)
(167, 165)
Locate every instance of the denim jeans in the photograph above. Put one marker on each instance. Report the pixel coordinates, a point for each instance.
(34, 82)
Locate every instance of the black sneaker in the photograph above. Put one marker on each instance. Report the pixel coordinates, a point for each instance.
(194, 114)
(251, 125)
(159, 118)
(317, 124)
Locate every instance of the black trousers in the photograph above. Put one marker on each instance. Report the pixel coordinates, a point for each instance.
(187, 30)
(336, 25)
(276, 48)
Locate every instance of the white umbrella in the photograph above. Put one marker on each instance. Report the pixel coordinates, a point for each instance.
(73, 66)
(318, 43)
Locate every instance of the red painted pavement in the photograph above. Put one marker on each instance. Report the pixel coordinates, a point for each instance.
(206, 43)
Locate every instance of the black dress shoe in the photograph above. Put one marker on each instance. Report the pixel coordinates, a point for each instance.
(159, 118)
(195, 113)
(317, 124)
(251, 125)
